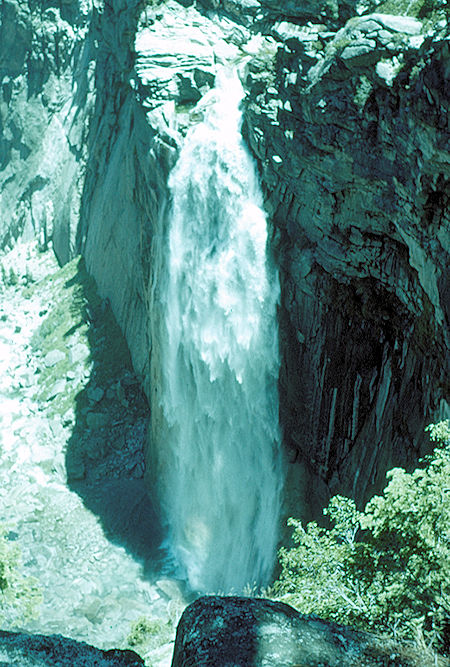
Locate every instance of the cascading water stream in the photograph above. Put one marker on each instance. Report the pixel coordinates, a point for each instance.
(220, 462)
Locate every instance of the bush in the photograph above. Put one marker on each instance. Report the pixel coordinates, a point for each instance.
(386, 568)
(149, 632)
(19, 595)
(13, 280)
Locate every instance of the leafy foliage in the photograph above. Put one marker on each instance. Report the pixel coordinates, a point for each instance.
(148, 632)
(386, 568)
(19, 595)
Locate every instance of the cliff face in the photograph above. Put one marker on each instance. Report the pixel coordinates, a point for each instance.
(80, 165)
(125, 185)
(46, 72)
(349, 126)
(353, 146)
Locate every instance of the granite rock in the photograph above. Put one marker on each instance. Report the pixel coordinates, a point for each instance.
(47, 651)
(251, 632)
(45, 101)
(355, 172)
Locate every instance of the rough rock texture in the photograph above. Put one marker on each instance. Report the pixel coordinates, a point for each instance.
(124, 190)
(349, 129)
(262, 13)
(246, 632)
(352, 142)
(45, 100)
(76, 151)
(349, 123)
(48, 651)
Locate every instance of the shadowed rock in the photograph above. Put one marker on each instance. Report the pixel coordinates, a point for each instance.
(246, 632)
(42, 651)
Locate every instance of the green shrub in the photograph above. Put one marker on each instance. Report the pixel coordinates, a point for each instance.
(386, 568)
(13, 280)
(149, 632)
(4, 275)
(19, 595)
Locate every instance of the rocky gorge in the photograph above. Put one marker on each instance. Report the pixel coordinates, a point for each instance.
(73, 499)
(349, 127)
(346, 116)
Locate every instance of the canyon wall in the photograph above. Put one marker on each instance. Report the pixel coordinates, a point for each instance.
(351, 133)
(348, 121)
(47, 62)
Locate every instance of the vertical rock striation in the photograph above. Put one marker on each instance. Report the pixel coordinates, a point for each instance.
(46, 57)
(352, 143)
(125, 186)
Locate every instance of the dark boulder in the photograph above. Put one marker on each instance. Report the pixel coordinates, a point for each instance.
(249, 632)
(19, 648)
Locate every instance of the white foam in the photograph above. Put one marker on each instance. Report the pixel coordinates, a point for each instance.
(220, 463)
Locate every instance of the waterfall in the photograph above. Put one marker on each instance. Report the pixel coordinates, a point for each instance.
(220, 471)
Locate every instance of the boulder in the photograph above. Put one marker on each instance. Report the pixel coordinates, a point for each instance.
(95, 394)
(18, 648)
(250, 632)
(53, 358)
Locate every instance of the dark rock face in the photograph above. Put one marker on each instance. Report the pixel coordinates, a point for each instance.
(263, 13)
(355, 170)
(48, 651)
(243, 632)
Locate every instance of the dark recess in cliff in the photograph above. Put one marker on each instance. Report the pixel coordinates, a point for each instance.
(358, 195)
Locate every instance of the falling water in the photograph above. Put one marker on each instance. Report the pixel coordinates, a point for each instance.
(221, 477)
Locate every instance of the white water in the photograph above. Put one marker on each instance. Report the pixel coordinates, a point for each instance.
(221, 477)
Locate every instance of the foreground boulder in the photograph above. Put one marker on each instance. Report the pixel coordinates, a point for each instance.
(238, 632)
(50, 651)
